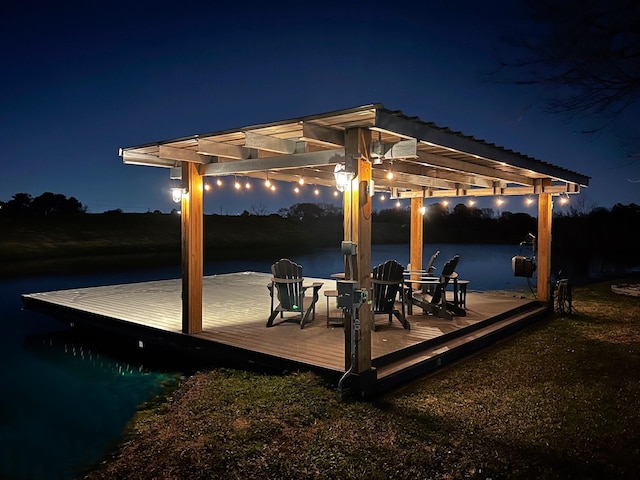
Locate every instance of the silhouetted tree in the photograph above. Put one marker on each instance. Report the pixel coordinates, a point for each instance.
(260, 209)
(47, 204)
(19, 205)
(486, 213)
(310, 211)
(397, 215)
(306, 211)
(116, 211)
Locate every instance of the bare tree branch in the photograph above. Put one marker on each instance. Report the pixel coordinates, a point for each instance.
(586, 53)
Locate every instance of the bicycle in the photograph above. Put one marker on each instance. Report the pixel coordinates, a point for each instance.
(563, 299)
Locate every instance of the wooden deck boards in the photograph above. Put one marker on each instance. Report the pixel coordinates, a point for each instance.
(236, 308)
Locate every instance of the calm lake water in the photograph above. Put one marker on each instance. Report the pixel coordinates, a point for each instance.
(64, 403)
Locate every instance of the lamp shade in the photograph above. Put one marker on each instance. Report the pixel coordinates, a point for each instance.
(176, 193)
(343, 177)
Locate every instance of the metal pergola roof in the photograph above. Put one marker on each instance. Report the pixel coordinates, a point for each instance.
(426, 160)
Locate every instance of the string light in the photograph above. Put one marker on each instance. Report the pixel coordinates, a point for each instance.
(301, 181)
(390, 172)
(398, 204)
(247, 185)
(423, 210)
(316, 191)
(529, 201)
(219, 182)
(237, 185)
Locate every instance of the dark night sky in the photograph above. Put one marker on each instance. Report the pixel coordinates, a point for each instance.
(81, 79)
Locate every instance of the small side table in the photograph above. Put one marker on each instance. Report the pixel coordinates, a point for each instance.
(462, 300)
(333, 320)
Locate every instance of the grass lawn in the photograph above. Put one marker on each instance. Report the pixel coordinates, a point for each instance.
(559, 400)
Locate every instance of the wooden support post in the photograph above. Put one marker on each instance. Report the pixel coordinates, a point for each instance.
(417, 227)
(357, 229)
(192, 251)
(545, 207)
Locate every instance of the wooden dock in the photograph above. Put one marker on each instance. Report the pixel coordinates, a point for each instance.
(235, 311)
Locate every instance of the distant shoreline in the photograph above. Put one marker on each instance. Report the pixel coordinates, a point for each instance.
(90, 243)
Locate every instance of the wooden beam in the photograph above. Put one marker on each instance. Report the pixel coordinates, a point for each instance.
(402, 179)
(321, 135)
(417, 233)
(419, 174)
(472, 169)
(401, 149)
(145, 159)
(192, 251)
(487, 192)
(357, 228)
(545, 207)
(270, 144)
(217, 149)
(181, 154)
(279, 162)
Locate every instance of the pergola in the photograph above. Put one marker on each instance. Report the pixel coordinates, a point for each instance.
(427, 161)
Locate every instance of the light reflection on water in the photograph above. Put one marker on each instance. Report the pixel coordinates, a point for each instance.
(64, 403)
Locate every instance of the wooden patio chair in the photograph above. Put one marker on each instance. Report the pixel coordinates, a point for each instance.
(438, 304)
(422, 275)
(387, 280)
(430, 270)
(287, 285)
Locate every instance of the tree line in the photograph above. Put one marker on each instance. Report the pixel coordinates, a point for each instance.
(576, 232)
(582, 241)
(47, 204)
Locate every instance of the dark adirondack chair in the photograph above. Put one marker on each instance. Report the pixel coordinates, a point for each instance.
(429, 272)
(439, 305)
(287, 287)
(430, 268)
(387, 280)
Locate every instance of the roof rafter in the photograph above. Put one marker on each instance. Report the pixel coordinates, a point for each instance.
(280, 162)
(269, 143)
(463, 166)
(321, 135)
(217, 149)
(181, 155)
